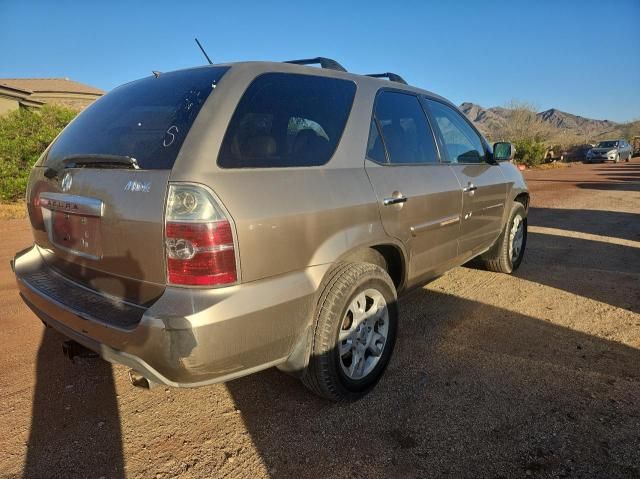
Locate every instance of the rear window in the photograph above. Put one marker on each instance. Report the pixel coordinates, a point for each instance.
(147, 119)
(287, 120)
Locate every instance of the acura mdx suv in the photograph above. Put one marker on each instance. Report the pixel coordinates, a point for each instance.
(205, 224)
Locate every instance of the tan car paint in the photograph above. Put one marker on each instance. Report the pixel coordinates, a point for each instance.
(291, 225)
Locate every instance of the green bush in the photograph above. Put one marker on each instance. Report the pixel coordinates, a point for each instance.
(24, 135)
(529, 151)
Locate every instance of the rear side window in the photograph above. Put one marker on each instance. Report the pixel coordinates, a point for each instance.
(287, 119)
(406, 133)
(375, 147)
(147, 119)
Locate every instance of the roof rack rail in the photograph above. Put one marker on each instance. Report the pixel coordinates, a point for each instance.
(391, 76)
(322, 61)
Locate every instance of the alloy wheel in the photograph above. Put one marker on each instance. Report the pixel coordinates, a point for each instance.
(363, 334)
(516, 238)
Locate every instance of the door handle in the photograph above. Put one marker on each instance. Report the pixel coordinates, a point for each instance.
(394, 200)
(470, 188)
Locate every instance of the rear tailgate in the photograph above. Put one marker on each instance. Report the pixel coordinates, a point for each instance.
(101, 233)
(98, 221)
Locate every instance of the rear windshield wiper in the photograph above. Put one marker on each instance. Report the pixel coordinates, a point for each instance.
(92, 161)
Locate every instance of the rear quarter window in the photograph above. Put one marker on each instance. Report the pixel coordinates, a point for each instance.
(147, 119)
(287, 120)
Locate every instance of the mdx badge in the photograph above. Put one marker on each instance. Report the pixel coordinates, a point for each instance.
(66, 182)
(138, 186)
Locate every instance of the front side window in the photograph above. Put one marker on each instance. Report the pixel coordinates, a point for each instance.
(286, 119)
(404, 128)
(462, 143)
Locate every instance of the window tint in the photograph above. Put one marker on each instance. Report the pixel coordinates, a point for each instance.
(404, 127)
(461, 142)
(375, 147)
(147, 119)
(287, 120)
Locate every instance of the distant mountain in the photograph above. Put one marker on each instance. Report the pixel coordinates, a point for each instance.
(561, 119)
(486, 120)
(491, 120)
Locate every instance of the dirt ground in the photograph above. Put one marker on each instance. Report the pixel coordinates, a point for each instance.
(536, 374)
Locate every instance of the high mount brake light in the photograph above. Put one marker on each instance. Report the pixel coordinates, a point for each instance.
(199, 242)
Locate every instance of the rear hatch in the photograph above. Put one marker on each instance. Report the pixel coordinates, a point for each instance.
(97, 196)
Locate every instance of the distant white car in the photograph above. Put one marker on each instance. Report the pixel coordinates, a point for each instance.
(610, 150)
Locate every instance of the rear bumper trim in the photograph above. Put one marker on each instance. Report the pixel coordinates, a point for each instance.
(81, 301)
(189, 338)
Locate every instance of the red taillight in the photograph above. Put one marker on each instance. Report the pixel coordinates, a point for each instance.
(200, 249)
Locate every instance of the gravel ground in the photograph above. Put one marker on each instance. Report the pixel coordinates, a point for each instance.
(532, 375)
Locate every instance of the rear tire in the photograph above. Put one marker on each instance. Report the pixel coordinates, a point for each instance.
(356, 326)
(506, 254)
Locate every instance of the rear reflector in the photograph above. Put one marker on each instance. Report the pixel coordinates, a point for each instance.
(198, 239)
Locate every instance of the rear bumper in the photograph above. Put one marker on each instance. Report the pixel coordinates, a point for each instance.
(188, 337)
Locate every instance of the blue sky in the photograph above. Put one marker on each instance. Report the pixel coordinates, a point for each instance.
(579, 56)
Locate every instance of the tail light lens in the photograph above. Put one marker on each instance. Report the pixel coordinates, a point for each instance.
(199, 241)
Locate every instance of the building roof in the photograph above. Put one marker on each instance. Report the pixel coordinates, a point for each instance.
(50, 85)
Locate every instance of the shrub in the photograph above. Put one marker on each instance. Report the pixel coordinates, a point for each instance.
(24, 135)
(529, 151)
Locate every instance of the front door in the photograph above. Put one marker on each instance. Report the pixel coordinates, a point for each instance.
(484, 186)
(420, 199)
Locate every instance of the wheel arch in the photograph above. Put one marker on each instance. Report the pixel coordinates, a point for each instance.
(392, 256)
(524, 199)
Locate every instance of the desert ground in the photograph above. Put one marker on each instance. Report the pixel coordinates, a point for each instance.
(531, 375)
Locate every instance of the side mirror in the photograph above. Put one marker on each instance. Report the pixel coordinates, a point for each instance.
(503, 151)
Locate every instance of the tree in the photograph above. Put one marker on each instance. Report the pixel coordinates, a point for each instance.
(527, 131)
(24, 135)
(630, 129)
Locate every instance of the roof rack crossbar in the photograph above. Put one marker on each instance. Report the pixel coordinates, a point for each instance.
(322, 61)
(391, 76)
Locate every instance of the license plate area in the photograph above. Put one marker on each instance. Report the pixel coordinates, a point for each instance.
(73, 223)
(77, 234)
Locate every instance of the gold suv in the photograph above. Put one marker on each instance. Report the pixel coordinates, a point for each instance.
(205, 224)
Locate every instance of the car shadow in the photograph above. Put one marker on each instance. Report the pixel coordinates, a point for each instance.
(628, 174)
(75, 423)
(621, 177)
(613, 224)
(473, 390)
(605, 272)
(610, 186)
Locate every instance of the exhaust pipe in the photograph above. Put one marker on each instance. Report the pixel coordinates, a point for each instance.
(72, 350)
(138, 380)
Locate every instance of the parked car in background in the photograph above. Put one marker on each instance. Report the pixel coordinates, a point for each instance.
(635, 143)
(205, 224)
(554, 153)
(577, 152)
(610, 150)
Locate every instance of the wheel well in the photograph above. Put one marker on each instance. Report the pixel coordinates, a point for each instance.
(394, 261)
(388, 257)
(523, 198)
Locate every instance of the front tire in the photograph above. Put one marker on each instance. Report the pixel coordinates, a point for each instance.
(506, 254)
(356, 326)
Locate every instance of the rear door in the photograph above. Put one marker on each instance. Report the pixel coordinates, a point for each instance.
(97, 197)
(419, 198)
(484, 186)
